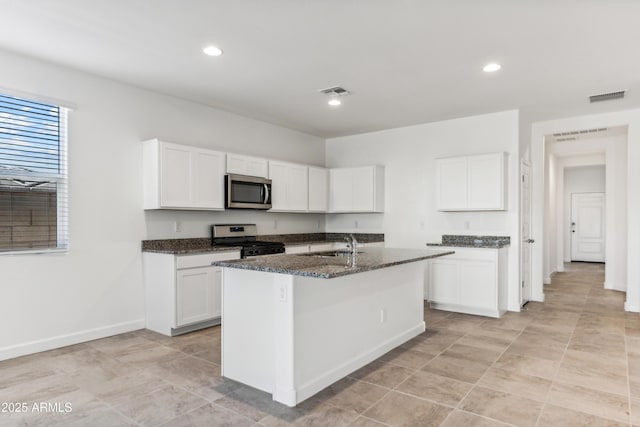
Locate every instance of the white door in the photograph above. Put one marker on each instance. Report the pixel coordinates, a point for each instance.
(527, 241)
(587, 227)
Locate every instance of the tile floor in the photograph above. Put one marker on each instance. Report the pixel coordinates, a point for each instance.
(572, 361)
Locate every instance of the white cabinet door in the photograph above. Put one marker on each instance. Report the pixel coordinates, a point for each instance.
(298, 188)
(289, 187)
(443, 281)
(175, 176)
(472, 183)
(318, 189)
(182, 177)
(486, 189)
(358, 189)
(478, 284)
(363, 189)
(195, 290)
(247, 165)
(452, 183)
(341, 190)
(208, 179)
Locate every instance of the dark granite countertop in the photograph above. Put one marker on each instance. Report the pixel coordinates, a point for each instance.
(184, 246)
(330, 267)
(203, 244)
(459, 241)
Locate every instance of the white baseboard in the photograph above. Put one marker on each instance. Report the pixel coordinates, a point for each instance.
(31, 347)
(315, 385)
(614, 287)
(634, 308)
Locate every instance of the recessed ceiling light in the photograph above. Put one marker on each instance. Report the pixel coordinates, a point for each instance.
(334, 102)
(490, 68)
(212, 51)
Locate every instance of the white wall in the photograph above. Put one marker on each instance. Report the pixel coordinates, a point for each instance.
(623, 202)
(408, 154)
(96, 289)
(579, 179)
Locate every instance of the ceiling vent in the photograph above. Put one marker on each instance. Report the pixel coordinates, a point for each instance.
(581, 132)
(608, 96)
(335, 91)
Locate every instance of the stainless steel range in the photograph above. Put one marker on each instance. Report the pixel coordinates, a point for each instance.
(244, 235)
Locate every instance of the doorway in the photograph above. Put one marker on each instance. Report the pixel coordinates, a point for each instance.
(588, 227)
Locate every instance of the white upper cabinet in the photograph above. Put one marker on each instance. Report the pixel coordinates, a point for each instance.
(359, 189)
(318, 189)
(182, 177)
(247, 165)
(289, 187)
(472, 183)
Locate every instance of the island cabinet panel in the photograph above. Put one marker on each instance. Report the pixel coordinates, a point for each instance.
(293, 335)
(247, 165)
(179, 176)
(358, 189)
(289, 187)
(472, 183)
(473, 281)
(183, 292)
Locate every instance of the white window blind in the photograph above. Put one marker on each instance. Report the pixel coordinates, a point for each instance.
(33, 176)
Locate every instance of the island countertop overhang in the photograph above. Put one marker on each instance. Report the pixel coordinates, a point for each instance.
(330, 267)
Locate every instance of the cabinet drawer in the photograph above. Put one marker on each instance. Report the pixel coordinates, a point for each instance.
(204, 260)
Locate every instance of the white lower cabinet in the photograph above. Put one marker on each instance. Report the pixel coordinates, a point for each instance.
(473, 281)
(183, 292)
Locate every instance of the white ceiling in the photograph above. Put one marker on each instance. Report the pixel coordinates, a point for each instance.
(405, 61)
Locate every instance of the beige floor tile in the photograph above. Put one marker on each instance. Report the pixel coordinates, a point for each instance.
(351, 394)
(382, 373)
(160, 406)
(635, 411)
(556, 416)
(210, 415)
(194, 375)
(402, 410)
(122, 389)
(143, 358)
(408, 358)
(38, 389)
(502, 406)
(594, 371)
(598, 343)
(516, 383)
(120, 345)
(516, 363)
(322, 415)
(436, 388)
(459, 368)
(598, 403)
(463, 419)
(433, 341)
(365, 422)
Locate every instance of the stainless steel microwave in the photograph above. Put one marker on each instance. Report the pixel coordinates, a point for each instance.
(247, 192)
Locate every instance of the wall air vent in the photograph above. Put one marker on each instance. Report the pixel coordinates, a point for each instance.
(335, 91)
(580, 132)
(567, 138)
(608, 96)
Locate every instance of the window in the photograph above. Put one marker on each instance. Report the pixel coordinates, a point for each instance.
(33, 176)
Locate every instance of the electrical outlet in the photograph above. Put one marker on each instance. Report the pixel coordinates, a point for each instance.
(177, 227)
(275, 224)
(383, 316)
(283, 293)
(355, 223)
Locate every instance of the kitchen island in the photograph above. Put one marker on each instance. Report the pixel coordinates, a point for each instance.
(295, 324)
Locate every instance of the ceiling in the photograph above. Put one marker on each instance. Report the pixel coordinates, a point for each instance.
(405, 61)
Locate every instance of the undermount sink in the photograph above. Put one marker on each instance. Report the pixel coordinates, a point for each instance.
(329, 254)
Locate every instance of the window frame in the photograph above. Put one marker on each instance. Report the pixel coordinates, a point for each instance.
(61, 179)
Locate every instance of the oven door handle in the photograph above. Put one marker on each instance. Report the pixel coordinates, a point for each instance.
(266, 193)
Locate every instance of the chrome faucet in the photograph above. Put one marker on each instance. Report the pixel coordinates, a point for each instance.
(352, 244)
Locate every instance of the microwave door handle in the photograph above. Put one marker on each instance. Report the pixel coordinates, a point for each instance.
(266, 193)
